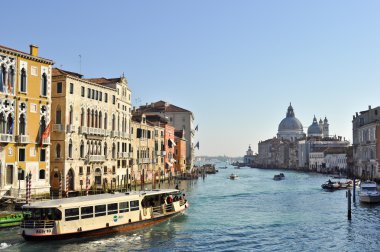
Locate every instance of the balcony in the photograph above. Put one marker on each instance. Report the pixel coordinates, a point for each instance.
(123, 155)
(70, 128)
(58, 128)
(114, 133)
(143, 160)
(6, 138)
(83, 130)
(96, 158)
(22, 139)
(46, 140)
(106, 132)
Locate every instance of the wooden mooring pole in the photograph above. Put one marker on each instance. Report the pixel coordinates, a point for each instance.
(354, 191)
(348, 195)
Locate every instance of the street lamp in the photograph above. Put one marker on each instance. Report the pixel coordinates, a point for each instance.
(19, 178)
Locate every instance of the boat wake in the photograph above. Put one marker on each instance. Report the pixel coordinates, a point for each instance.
(4, 245)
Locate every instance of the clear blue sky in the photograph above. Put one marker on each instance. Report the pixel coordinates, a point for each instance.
(235, 64)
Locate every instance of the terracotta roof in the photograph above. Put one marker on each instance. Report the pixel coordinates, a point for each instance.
(58, 72)
(103, 80)
(161, 106)
(26, 54)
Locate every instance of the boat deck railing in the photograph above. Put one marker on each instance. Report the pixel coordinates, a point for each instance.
(37, 224)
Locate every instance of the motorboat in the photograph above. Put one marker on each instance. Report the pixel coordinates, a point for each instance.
(368, 192)
(233, 176)
(332, 185)
(100, 214)
(279, 176)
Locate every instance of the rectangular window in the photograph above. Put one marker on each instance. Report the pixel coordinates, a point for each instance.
(71, 214)
(123, 207)
(59, 87)
(105, 97)
(71, 88)
(21, 154)
(82, 90)
(43, 155)
(93, 94)
(100, 210)
(100, 96)
(87, 212)
(88, 170)
(112, 208)
(96, 95)
(113, 99)
(135, 205)
(105, 169)
(80, 170)
(88, 92)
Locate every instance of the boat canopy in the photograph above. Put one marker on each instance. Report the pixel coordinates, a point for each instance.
(97, 199)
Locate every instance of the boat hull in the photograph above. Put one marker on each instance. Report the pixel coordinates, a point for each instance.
(103, 231)
(369, 199)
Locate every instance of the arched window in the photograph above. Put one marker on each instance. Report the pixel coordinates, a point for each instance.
(100, 120)
(23, 81)
(81, 149)
(42, 126)
(105, 120)
(113, 122)
(105, 150)
(11, 80)
(96, 119)
(10, 125)
(88, 117)
(70, 149)
(22, 125)
(42, 174)
(58, 151)
(3, 123)
(92, 118)
(58, 114)
(113, 151)
(88, 147)
(44, 85)
(2, 78)
(82, 117)
(71, 115)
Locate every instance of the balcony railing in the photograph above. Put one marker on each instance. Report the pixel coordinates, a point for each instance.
(22, 139)
(6, 138)
(83, 130)
(144, 160)
(70, 128)
(58, 128)
(96, 158)
(114, 133)
(123, 155)
(46, 140)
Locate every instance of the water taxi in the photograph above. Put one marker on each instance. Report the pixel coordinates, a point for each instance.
(368, 192)
(99, 214)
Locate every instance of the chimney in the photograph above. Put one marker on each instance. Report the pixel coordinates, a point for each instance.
(33, 50)
(369, 107)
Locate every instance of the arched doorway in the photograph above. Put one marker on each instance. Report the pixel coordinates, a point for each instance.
(98, 177)
(70, 174)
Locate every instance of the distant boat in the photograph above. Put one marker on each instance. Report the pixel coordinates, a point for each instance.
(368, 192)
(279, 176)
(233, 176)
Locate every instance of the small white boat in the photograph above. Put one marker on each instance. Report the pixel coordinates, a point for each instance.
(233, 176)
(368, 192)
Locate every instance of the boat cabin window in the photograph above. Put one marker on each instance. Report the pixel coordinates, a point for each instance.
(135, 205)
(42, 214)
(71, 214)
(87, 212)
(123, 207)
(112, 208)
(100, 210)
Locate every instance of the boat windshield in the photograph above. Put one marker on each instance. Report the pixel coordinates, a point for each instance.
(42, 214)
(369, 188)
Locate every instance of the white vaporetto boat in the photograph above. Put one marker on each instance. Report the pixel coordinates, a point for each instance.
(100, 214)
(368, 192)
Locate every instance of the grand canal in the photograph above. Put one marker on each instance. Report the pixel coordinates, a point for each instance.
(251, 213)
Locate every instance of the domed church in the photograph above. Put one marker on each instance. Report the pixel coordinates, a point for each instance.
(318, 130)
(290, 127)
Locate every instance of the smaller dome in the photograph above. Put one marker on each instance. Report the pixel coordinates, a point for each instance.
(314, 129)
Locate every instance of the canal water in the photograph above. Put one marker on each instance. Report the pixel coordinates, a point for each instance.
(253, 213)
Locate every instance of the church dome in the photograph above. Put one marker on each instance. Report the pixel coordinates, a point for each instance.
(314, 129)
(290, 127)
(290, 122)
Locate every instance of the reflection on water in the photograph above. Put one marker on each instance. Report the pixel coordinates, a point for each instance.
(251, 213)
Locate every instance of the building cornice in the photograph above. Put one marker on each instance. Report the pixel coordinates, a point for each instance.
(25, 55)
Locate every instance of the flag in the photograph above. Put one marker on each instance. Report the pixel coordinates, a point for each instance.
(196, 128)
(46, 133)
(197, 145)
